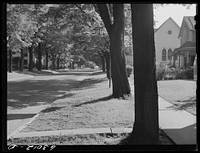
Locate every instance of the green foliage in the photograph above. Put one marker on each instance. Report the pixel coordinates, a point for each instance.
(166, 72)
(66, 30)
(90, 64)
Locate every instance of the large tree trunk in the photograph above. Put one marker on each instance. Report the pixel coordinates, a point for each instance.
(47, 60)
(22, 60)
(120, 81)
(10, 61)
(30, 58)
(146, 128)
(39, 57)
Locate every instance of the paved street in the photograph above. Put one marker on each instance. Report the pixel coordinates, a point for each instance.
(27, 97)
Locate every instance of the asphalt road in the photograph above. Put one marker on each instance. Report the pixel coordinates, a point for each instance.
(25, 98)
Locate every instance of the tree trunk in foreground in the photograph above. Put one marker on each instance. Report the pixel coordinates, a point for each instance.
(120, 82)
(146, 128)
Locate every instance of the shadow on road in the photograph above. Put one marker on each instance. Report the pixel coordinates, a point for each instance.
(27, 93)
(19, 116)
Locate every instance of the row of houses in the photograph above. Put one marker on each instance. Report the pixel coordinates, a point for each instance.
(176, 45)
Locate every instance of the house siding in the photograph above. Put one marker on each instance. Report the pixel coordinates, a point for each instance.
(187, 34)
(165, 41)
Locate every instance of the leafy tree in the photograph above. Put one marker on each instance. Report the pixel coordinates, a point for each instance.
(22, 23)
(115, 27)
(20, 29)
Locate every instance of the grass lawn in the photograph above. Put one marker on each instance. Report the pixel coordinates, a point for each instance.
(181, 93)
(84, 139)
(89, 105)
(86, 106)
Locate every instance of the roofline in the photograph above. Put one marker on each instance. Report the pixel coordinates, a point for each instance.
(166, 21)
(183, 21)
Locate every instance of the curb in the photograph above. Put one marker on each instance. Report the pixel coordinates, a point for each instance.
(22, 127)
(71, 132)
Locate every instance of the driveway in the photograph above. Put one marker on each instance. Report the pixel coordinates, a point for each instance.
(26, 98)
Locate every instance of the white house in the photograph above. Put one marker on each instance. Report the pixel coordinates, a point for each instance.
(187, 51)
(166, 40)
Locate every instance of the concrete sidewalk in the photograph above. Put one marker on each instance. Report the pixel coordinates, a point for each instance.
(179, 125)
(17, 76)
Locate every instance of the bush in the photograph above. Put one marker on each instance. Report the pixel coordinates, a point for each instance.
(163, 72)
(129, 70)
(90, 64)
(166, 72)
(186, 74)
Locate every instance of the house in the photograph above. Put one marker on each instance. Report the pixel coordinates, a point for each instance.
(166, 40)
(186, 53)
(16, 55)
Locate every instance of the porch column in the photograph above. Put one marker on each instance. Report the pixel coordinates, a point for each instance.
(195, 68)
(172, 60)
(187, 58)
(181, 61)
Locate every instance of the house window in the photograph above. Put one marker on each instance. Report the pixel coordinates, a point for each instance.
(25, 54)
(164, 55)
(169, 54)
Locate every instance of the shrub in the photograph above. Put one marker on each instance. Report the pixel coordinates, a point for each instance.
(166, 72)
(186, 74)
(90, 64)
(129, 70)
(163, 72)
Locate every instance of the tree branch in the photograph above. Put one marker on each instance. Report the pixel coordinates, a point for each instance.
(88, 14)
(80, 8)
(105, 16)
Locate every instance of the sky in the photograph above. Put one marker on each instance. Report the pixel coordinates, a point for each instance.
(175, 11)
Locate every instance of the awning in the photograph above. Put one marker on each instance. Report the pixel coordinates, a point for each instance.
(187, 46)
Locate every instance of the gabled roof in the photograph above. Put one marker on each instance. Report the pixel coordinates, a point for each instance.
(165, 22)
(189, 22)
